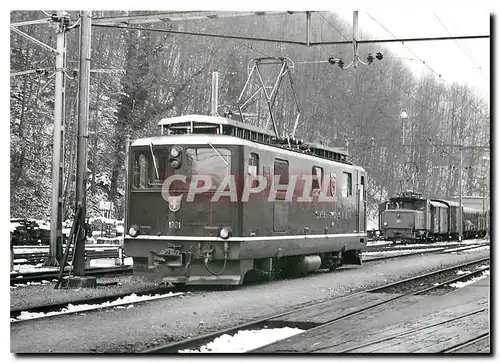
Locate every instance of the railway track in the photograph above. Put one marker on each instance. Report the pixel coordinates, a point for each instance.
(414, 286)
(392, 247)
(38, 254)
(50, 308)
(24, 278)
(118, 271)
(153, 292)
(482, 339)
(431, 250)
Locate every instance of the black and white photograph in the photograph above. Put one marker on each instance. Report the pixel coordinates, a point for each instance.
(249, 181)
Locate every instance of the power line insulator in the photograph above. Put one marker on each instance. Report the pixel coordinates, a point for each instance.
(332, 60)
(370, 58)
(341, 63)
(379, 56)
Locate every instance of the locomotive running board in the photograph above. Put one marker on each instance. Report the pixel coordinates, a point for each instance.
(242, 239)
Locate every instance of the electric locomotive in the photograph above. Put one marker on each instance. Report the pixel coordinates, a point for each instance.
(213, 200)
(409, 217)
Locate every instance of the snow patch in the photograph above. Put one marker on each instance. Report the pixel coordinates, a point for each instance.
(245, 340)
(26, 315)
(460, 284)
(378, 243)
(401, 252)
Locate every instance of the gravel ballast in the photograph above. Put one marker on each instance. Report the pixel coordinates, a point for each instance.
(159, 322)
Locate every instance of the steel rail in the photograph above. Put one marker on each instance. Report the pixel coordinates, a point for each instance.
(412, 331)
(22, 278)
(93, 300)
(412, 293)
(471, 342)
(199, 340)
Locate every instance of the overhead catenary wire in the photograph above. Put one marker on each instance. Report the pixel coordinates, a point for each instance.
(334, 27)
(287, 41)
(412, 52)
(478, 68)
(421, 60)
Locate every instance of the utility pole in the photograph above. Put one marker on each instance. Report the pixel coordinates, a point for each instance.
(81, 167)
(55, 251)
(460, 227)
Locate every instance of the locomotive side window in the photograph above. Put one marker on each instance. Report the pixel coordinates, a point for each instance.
(362, 188)
(143, 171)
(317, 177)
(346, 185)
(281, 169)
(253, 164)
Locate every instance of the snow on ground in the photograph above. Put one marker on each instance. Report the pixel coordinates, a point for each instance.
(30, 283)
(30, 250)
(480, 248)
(94, 263)
(461, 284)
(371, 224)
(245, 340)
(20, 260)
(453, 243)
(378, 243)
(35, 249)
(130, 299)
(33, 268)
(461, 272)
(14, 225)
(128, 261)
(399, 252)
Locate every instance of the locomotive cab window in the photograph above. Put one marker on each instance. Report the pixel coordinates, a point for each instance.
(317, 177)
(149, 172)
(253, 164)
(215, 163)
(346, 185)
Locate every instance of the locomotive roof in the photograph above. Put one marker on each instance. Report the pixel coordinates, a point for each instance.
(449, 203)
(217, 120)
(439, 204)
(203, 139)
(214, 120)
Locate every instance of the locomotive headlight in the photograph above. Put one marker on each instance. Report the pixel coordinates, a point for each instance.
(176, 164)
(175, 152)
(385, 224)
(224, 233)
(133, 231)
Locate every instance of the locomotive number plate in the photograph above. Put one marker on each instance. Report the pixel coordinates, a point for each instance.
(174, 225)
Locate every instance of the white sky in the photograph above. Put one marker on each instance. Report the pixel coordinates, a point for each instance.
(462, 61)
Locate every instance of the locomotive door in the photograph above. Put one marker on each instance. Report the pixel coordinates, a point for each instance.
(280, 205)
(360, 202)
